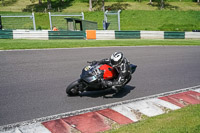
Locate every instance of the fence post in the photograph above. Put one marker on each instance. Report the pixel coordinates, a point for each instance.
(34, 25)
(50, 20)
(119, 19)
(0, 23)
(82, 15)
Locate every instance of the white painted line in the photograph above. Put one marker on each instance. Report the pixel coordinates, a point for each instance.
(94, 47)
(197, 90)
(150, 107)
(146, 107)
(165, 104)
(10, 131)
(15, 130)
(103, 47)
(124, 110)
(35, 128)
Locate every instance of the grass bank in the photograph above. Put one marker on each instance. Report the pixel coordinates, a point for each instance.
(185, 120)
(6, 44)
(153, 20)
(161, 20)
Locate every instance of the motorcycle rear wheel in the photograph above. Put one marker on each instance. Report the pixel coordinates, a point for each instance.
(73, 88)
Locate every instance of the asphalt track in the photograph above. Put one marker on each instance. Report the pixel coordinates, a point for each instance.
(33, 82)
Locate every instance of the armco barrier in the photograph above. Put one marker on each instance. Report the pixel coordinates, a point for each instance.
(66, 34)
(127, 34)
(96, 34)
(30, 34)
(192, 35)
(174, 35)
(152, 34)
(6, 34)
(105, 34)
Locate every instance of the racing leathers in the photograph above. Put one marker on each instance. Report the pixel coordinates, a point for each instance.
(123, 75)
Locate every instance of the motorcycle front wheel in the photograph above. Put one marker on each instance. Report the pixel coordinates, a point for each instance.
(73, 88)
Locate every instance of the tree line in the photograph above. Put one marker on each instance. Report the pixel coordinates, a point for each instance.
(92, 3)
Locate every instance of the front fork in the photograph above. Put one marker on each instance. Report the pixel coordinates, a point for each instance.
(83, 86)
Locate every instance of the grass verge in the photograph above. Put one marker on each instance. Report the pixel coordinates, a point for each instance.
(185, 120)
(6, 44)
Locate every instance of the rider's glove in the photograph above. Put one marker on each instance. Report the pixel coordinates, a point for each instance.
(109, 83)
(94, 62)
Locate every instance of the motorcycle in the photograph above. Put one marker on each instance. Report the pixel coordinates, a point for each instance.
(90, 78)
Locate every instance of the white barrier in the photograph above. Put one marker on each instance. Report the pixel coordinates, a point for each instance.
(30, 34)
(152, 34)
(105, 34)
(192, 35)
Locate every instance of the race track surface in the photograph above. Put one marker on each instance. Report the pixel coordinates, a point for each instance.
(33, 82)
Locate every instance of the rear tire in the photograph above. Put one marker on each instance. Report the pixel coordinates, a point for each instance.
(73, 88)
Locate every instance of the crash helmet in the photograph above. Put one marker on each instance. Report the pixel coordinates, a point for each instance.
(116, 58)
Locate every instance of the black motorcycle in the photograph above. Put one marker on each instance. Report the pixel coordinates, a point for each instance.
(90, 78)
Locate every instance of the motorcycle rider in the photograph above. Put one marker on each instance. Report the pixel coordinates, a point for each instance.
(122, 66)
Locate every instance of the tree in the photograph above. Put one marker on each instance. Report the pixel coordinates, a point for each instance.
(90, 5)
(49, 4)
(150, 2)
(3, 3)
(162, 4)
(103, 7)
(93, 3)
(40, 2)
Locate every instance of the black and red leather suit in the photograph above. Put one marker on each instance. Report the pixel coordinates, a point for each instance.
(123, 74)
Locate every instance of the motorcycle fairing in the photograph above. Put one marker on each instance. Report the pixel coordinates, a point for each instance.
(92, 73)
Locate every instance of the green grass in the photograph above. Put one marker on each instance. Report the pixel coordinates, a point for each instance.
(15, 6)
(6, 44)
(42, 21)
(185, 120)
(163, 20)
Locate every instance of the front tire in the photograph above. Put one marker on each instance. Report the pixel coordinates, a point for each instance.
(73, 88)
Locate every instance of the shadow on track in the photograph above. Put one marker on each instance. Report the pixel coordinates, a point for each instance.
(102, 93)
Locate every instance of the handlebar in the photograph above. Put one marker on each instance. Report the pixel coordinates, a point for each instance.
(92, 62)
(89, 62)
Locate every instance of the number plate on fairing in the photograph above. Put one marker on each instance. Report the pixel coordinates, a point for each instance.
(87, 68)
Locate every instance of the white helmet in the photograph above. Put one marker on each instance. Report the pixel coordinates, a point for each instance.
(116, 58)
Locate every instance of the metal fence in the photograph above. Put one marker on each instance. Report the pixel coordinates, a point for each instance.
(112, 20)
(15, 22)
